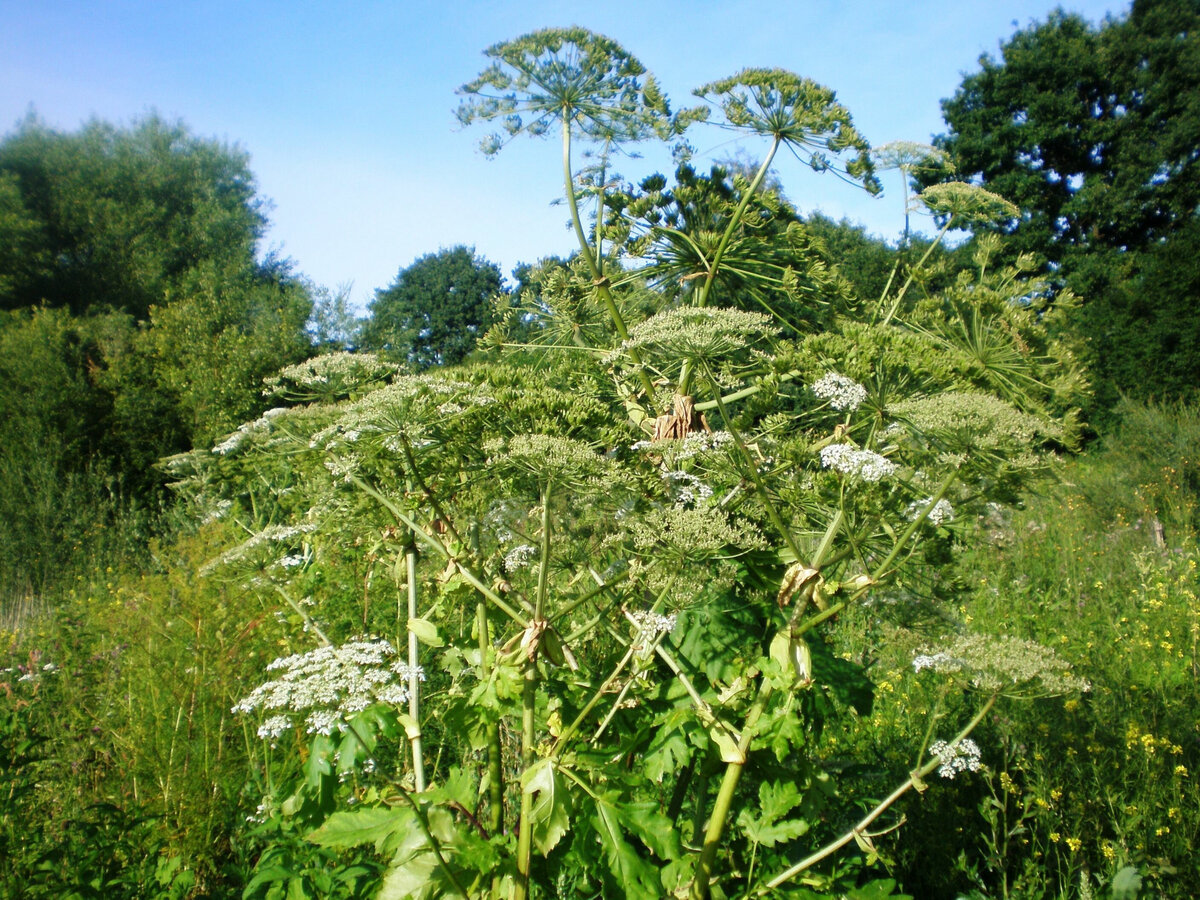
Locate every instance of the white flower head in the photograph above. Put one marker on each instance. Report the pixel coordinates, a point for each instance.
(843, 394)
(849, 460)
(685, 488)
(962, 756)
(651, 624)
(941, 513)
(519, 557)
(328, 685)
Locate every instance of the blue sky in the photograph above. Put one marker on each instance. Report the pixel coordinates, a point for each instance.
(346, 108)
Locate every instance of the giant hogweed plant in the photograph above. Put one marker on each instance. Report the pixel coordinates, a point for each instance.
(587, 656)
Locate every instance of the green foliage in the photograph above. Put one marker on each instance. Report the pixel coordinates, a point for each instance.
(1088, 793)
(670, 600)
(771, 263)
(583, 585)
(127, 776)
(435, 310)
(115, 217)
(1091, 131)
(138, 322)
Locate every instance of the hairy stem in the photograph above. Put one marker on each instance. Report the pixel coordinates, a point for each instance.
(702, 295)
(529, 706)
(701, 885)
(495, 758)
(594, 260)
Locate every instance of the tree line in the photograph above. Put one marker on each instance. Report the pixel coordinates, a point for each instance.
(138, 317)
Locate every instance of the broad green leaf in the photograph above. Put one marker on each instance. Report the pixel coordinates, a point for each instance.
(413, 879)
(426, 632)
(651, 827)
(550, 810)
(764, 825)
(366, 825)
(637, 878)
(1126, 884)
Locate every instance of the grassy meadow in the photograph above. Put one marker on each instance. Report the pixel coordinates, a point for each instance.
(125, 775)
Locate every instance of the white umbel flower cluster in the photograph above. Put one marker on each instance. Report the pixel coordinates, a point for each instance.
(651, 624)
(941, 513)
(850, 460)
(955, 758)
(328, 685)
(235, 440)
(685, 488)
(519, 557)
(843, 394)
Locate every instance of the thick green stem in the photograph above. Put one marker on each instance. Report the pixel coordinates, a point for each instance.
(529, 707)
(752, 470)
(528, 735)
(600, 206)
(495, 756)
(594, 260)
(701, 885)
(702, 295)
(858, 831)
(744, 392)
(913, 272)
(414, 682)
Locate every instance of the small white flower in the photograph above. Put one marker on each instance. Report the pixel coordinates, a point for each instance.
(651, 624)
(686, 489)
(849, 460)
(842, 393)
(934, 661)
(941, 513)
(274, 727)
(954, 758)
(519, 557)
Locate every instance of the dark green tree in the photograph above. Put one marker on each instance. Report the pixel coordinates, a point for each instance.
(137, 321)
(1094, 131)
(436, 309)
(115, 217)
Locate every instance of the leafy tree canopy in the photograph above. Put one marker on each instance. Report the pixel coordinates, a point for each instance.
(436, 309)
(1092, 131)
(116, 217)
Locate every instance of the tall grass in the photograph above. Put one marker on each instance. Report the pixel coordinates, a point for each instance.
(1080, 798)
(123, 775)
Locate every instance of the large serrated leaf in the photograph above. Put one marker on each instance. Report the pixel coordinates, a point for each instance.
(550, 810)
(414, 879)
(637, 878)
(353, 828)
(651, 827)
(767, 825)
